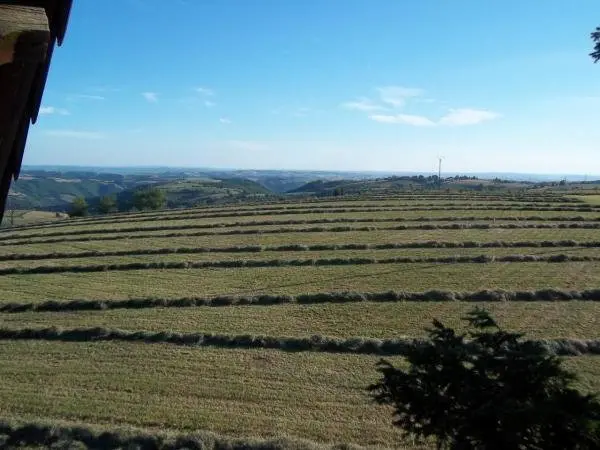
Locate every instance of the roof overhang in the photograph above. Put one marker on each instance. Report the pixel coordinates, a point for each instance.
(29, 29)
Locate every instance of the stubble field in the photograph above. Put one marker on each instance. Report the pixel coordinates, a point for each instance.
(264, 321)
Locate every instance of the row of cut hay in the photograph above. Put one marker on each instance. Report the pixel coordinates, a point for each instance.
(487, 295)
(593, 223)
(480, 221)
(256, 263)
(302, 202)
(199, 213)
(177, 217)
(35, 435)
(317, 343)
(85, 237)
(375, 210)
(300, 248)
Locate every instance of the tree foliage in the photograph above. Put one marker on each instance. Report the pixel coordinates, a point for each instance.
(107, 204)
(79, 207)
(487, 389)
(148, 198)
(596, 39)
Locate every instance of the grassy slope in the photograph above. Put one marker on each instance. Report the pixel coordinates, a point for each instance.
(296, 280)
(25, 217)
(183, 238)
(261, 392)
(250, 392)
(240, 392)
(379, 320)
(300, 255)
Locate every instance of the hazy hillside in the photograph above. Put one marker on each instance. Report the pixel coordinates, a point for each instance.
(201, 191)
(404, 183)
(55, 190)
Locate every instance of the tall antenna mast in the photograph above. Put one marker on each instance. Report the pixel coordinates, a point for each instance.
(440, 171)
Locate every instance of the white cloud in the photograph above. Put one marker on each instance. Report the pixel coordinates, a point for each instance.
(152, 97)
(406, 119)
(209, 104)
(205, 91)
(224, 120)
(362, 104)
(246, 145)
(53, 110)
(466, 116)
(76, 134)
(398, 95)
(456, 117)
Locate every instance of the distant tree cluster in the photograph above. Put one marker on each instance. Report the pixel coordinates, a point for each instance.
(149, 198)
(107, 204)
(79, 207)
(487, 389)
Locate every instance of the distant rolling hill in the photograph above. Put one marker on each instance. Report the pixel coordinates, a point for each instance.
(400, 183)
(55, 190)
(201, 191)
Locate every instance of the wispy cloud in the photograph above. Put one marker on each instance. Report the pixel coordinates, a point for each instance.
(75, 134)
(205, 91)
(246, 145)
(398, 95)
(363, 104)
(455, 117)
(225, 120)
(467, 116)
(104, 89)
(406, 119)
(394, 98)
(301, 112)
(85, 97)
(209, 104)
(52, 110)
(151, 97)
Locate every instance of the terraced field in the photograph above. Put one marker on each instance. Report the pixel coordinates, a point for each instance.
(266, 321)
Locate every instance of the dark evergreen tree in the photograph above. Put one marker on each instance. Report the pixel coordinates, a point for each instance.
(487, 389)
(596, 38)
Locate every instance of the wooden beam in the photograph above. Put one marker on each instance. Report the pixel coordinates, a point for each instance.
(24, 34)
(24, 40)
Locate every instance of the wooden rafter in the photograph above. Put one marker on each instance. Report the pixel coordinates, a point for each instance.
(29, 30)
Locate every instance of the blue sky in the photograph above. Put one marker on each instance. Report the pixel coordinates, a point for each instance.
(325, 84)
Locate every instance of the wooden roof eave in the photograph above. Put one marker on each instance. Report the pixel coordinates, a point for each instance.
(27, 38)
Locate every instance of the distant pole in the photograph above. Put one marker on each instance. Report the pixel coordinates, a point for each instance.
(12, 211)
(440, 171)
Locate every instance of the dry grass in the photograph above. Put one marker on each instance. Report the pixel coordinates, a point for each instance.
(297, 280)
(309, 216)
(262, 393)
(359, 237)
(26, 217)
(574, 319)
(245, 393)
(242, 392)
(292, 255)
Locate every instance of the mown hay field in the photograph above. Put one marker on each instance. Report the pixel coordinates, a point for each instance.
(264, 321)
